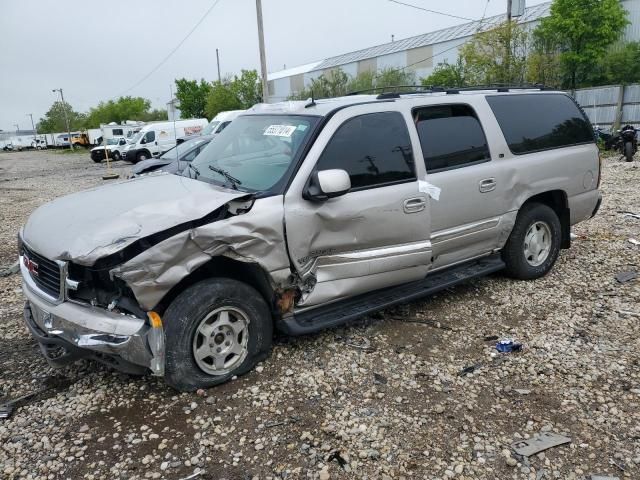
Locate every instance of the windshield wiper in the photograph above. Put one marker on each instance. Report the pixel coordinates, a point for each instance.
(195, 170)
(234, 181)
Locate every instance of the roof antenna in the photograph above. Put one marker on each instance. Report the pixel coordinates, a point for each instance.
(392, 37)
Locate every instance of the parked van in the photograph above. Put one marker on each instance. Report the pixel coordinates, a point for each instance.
(156, 138)
(220, 122)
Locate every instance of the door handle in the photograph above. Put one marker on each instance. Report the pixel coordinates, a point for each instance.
(414, 205)
(487, 185)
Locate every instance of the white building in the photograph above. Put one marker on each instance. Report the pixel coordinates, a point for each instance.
(419, 54)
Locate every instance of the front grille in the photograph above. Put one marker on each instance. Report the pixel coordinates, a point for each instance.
(97, 155)
(47, 277)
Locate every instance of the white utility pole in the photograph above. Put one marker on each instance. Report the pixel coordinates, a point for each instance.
(263, 58)
(66, 118)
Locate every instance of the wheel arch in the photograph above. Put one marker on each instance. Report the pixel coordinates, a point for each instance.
(559, 202)
(249, 273)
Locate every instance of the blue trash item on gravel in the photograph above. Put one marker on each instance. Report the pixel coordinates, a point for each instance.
(508, 346)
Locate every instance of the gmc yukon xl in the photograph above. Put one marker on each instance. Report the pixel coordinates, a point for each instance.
(302, 216)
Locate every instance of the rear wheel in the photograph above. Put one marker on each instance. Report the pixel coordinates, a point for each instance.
(214, 330)
(628, 151)
(534, 244)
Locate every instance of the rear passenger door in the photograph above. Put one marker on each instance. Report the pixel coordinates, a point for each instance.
(466, 219)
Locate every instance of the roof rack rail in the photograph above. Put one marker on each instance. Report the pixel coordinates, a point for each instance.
(499, 87)
(394, 91)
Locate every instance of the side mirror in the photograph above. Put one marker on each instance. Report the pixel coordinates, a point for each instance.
(122, 141)
(326, 184)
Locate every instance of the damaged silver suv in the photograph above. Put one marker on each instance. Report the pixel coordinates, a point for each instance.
(302, 216)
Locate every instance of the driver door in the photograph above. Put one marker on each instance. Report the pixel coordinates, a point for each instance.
(378, 233)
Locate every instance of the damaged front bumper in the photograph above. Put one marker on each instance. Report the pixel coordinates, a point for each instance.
(68, 331)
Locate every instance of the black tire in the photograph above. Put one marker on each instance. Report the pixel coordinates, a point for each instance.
(96, 160)
(190, 308)
(141, 156)
(513, 254)
(628, 151)
(116, 156)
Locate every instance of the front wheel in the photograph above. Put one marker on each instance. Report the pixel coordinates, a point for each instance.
(628, 151)
(214, 330)
(116, 156)
(534, 244)
(141, 156)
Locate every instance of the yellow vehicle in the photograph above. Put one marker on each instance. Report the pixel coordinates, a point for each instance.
(80, 140)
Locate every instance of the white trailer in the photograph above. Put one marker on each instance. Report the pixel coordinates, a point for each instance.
(126, 130)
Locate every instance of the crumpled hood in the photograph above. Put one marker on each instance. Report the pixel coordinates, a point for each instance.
(92, 224)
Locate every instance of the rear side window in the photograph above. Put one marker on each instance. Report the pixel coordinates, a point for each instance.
(374, 149)
(531, 123)
(450, 136)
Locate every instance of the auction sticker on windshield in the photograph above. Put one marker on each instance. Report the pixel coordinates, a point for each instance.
(280, 130)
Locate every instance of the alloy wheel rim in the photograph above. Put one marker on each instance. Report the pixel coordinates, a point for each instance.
(537, 243)
(220, 340)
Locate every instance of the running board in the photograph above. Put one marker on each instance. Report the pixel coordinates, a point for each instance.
(351, 308)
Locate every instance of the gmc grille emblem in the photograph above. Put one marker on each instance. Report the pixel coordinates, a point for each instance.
(31, 265)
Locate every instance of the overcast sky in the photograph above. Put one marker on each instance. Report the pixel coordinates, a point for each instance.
(98, 50)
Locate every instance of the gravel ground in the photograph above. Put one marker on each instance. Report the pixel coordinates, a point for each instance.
(381, 399)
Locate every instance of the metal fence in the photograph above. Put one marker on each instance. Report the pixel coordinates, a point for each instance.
(611, 106)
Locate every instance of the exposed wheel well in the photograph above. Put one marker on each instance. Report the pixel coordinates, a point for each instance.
(225, 267)
(557, 200)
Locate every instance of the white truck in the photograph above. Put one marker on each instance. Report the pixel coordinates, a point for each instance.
(114, 146)
(156, 138)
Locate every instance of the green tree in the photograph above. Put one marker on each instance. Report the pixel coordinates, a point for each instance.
(54, 120)
(192, 97)
(619, 66)
(447, 75)
(337, 83)
(581, 31)
(247, 88)
(543, 63)
(393, 77)
(155, 115)
(221, 98)
(234, 93)
(120, 110)
(497, 56)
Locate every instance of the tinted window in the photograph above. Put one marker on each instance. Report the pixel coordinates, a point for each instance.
(150, 136)
(450, 136)
(374, 149)
(222, 126)
(117, 131)
(538, 122)
(191, 155)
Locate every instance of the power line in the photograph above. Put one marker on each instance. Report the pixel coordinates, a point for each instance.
(155, 69)
(450, 48)
(430, 11)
